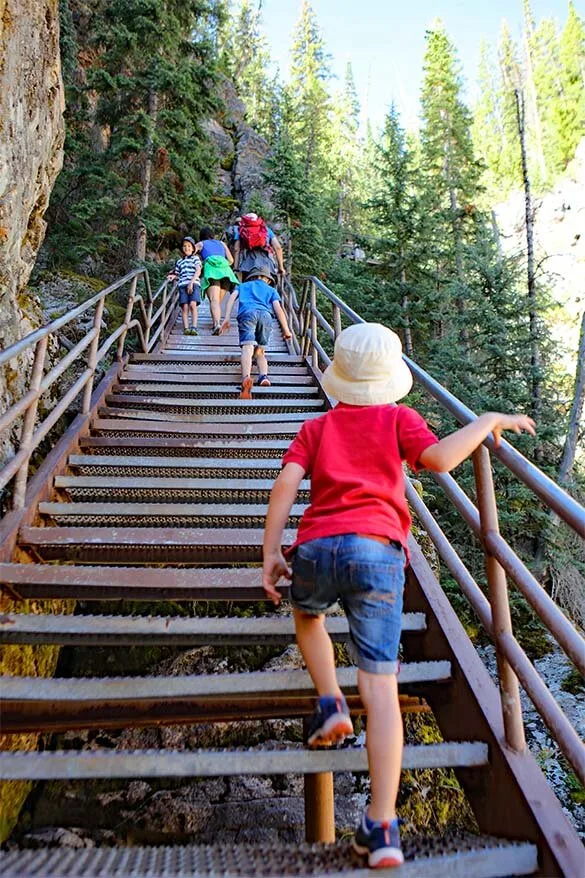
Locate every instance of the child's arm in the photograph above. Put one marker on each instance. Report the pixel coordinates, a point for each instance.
(282, 497)
(453, 449)
(236, 255)
(228, 310)
(281, 317)
(195, 278)
(228, 254)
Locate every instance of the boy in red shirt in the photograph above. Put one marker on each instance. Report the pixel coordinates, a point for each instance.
(351, 546)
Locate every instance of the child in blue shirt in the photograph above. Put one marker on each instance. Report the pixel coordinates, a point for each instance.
(258, 301)
(187, 272)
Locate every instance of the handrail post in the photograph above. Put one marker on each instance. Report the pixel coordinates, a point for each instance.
(28, 423)
(163, 314)
(92, 355)
(127, 317)
(498, 594)
(315, 355)
(336, 319)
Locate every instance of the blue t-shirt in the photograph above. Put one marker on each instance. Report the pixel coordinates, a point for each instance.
(269, 236)
(212, 247)
(256, 295)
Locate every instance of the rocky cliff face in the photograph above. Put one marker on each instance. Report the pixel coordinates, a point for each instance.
(31, 155)
(241, 151)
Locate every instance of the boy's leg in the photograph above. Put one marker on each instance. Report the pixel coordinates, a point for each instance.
(193, 307)
(384, 735)
(185, 316)
(262, 364)
(246, 362)
(317, 651)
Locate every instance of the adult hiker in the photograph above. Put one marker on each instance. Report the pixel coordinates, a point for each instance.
(257, 248)
(218, 277)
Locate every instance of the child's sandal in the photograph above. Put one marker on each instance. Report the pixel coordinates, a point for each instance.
(263, 381)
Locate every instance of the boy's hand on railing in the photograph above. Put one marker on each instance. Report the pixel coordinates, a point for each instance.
(171, 276)
(517, 423)
(273, 568)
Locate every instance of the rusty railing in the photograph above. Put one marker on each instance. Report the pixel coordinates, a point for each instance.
(312, 333)
(150, 316)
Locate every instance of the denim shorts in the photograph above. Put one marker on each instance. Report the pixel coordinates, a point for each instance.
(185, 297)
(254, 327)
(367, 577)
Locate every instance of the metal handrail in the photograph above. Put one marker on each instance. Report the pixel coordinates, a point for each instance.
(500, 558)
(26, 407)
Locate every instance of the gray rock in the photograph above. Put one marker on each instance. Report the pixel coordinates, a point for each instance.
(58, 836)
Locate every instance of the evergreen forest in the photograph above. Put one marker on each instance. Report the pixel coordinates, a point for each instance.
(142, 78)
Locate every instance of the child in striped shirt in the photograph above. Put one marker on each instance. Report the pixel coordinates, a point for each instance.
(187, 272)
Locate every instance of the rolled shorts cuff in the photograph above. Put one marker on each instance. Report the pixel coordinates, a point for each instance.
(308, 612)
(374, 667)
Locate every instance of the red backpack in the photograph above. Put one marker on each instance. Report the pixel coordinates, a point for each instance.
(253, 233)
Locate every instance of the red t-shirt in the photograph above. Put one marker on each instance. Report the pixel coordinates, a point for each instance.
(353, 455)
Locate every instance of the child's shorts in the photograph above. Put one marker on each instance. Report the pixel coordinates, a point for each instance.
(367, 577)
(254, 327)
(185, 297)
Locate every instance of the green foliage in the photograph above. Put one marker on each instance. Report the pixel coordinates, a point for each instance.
(139, 77)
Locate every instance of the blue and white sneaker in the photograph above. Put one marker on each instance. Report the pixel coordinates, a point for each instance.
(380, 841)
(330, 723)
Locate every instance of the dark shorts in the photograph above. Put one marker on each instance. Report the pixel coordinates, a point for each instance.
(254, 327)
(367, 577)
(185, 297)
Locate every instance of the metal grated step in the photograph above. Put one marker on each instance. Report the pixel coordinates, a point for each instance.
(186, 447)
(282, 379)
(217, 406)
(162, 514)
(250, 420)
(167, 630)
(212, 467)
(118, 427)
(213, 391)
(275, 760)
(458, 856)
(134, 583)
(203, 490)
(212, 359)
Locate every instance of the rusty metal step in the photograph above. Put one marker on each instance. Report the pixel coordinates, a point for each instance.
(162, 514)
(275, 760)
(200, 467)
(159, 490)
(252, 421)
(282, 379)
(215, 391)
(460, 856)
(211, 359)
(185, 447)
(34, 704)
(218, 406)
(211, 687)
(144, 545)
(69, 630)
(219, 372)
(50, 581)
(124, 426)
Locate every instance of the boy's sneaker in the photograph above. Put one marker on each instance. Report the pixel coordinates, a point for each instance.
(263, 381)
(246, 392)
(216, 329)
(330, 723)
(380, 841)
(193, 331)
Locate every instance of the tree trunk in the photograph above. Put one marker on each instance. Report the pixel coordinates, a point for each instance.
(535, 378)
(408, 350)
(570, 447)
(145, 178)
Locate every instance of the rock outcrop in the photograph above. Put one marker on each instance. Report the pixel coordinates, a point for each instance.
(31, 155)
(241, 151)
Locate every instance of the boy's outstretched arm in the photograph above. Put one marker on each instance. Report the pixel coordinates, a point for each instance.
(281, 317)
(453, 449)
(282, 497)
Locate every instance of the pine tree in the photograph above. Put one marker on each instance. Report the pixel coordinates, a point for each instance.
(344, 154)
(530, 88)
(571, 115)
(141, 162)
(308, 88)
(509, 169)
(451, 174)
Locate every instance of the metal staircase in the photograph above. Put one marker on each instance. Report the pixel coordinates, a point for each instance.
(156, 492)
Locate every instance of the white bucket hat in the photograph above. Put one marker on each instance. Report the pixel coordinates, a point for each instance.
(367, 366)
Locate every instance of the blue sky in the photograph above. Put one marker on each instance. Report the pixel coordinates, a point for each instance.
(384, 40)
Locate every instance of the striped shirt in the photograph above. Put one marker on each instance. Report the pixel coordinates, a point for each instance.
(186, 268)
